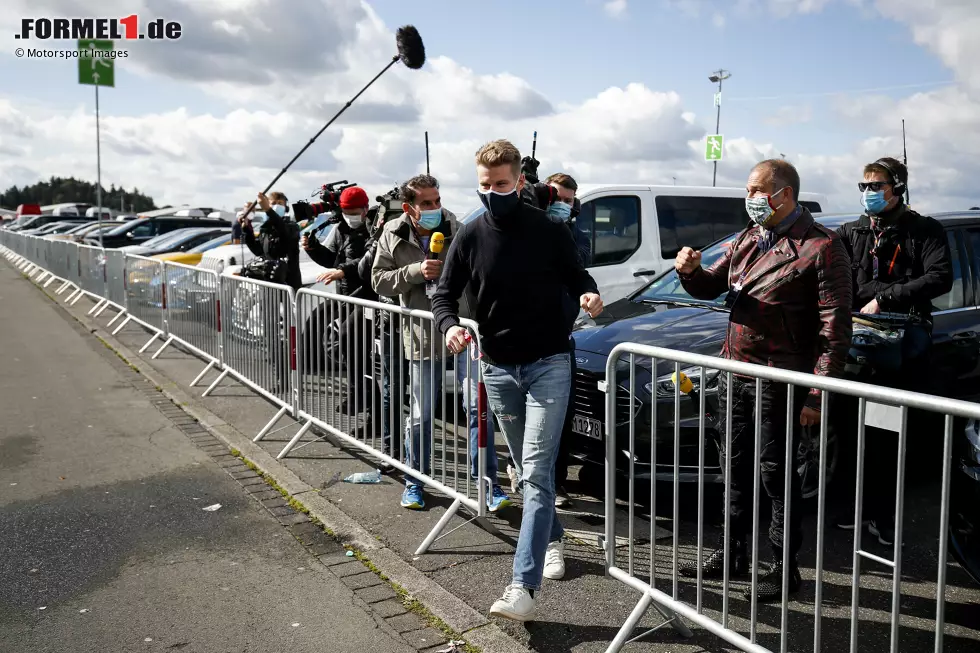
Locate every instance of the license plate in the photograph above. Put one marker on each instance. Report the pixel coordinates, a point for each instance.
(591, 428)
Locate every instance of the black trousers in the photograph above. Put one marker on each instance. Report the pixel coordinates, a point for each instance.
(772, 447)
(356, 350)
(881, 446)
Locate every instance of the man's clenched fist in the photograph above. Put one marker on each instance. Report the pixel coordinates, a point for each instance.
(688, 260)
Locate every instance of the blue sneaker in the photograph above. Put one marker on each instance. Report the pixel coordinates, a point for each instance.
(498, 499)
(412, 498)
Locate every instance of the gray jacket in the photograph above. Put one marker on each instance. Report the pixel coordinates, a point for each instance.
(397, 272)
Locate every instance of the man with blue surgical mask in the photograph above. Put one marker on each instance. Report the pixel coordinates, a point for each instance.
(786, 281)
(901, 264)
(407, 266)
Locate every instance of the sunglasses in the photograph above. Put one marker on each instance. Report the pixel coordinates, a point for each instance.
(872, 185)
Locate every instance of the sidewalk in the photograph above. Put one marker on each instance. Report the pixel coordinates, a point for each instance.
(106, 544)
(466, 571)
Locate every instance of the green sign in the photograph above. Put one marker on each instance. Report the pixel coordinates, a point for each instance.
(96, 66)
(714, 147)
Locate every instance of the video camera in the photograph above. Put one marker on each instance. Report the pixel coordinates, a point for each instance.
(329, 202)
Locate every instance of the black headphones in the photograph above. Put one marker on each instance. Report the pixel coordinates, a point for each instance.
(898, 188)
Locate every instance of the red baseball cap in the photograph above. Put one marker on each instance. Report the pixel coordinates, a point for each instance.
(354, 198)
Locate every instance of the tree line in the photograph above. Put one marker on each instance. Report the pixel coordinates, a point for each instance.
(59, 190)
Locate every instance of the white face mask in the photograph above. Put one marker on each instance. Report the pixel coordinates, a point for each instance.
(354, 221)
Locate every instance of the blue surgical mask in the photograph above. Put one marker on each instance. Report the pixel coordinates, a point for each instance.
(874, 202)
(499, 204)
(559, 212)
(279, 209)
(760, 209)
(429, 220)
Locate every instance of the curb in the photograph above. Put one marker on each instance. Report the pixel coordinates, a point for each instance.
(473, 626)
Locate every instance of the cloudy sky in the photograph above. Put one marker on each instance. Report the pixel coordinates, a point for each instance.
(617, 90)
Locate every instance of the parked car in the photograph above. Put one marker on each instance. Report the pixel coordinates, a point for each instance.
(137, 232)
(53, 228)
(636, 230)
(663, 314)
(964, 518)
(180, 240)
(193, 256)
(78, 233)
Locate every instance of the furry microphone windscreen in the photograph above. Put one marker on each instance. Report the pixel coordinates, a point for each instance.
(410, 47)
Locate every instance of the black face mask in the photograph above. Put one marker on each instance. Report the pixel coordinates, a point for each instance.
(500, 204)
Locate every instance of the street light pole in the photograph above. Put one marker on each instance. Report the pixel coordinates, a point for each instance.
(718, 76)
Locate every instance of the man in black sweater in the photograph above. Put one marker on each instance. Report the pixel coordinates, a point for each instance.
(519, 265)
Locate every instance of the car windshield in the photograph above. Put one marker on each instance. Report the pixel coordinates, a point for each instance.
(211, 244)
(667, 287)
(165, 239)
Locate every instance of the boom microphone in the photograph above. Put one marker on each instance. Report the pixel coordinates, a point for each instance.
(411, 52)
(436, 243)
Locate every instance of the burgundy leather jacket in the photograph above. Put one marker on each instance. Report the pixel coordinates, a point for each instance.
(794, 307)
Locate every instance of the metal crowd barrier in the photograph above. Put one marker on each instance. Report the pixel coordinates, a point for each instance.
(257, 340)
(192, 312)
(323, 359)
(146, 296)
(350, 352)
(888, 406)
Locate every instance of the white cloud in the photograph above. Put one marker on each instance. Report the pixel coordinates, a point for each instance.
(630, 134)
(718, 20)
(615, 8)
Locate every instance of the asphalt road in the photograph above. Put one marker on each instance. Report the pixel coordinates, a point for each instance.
(106, 544)
(584, 611)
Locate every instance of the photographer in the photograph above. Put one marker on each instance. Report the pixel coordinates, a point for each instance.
(278, 240)
(345, 254)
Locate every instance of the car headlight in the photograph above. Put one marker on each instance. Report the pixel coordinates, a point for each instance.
(665, 385)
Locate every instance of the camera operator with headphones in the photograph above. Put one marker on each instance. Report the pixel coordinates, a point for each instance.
(900, 263)
(344, 253)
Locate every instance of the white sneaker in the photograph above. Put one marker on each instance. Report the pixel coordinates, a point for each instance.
(554, 561)
(516, 603)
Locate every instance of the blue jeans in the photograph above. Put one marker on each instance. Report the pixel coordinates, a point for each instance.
(529, 402)
(420, 420)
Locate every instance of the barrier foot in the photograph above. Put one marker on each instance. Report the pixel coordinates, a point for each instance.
(160, 350)
(296, 438)
(50, 281)
(81, 293)
(221, 377)
(43, 275)
(268, 427)
(98, 306)
(438, 528)
(670, 619)
(203, 372)
(63, 288)
(76, 293)
(118, 315)
(150, 341)
(106, 305)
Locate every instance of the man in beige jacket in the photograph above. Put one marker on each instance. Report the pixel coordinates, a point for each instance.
(404, 267)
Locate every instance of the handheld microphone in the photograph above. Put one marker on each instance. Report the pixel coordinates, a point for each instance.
(686, 385)
(436, 243)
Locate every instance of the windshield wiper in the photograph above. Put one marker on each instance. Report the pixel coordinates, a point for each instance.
(689, 304)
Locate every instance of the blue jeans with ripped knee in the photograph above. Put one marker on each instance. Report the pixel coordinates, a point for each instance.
(529, 402)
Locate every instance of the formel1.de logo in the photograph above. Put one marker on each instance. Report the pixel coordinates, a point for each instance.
(117, 29)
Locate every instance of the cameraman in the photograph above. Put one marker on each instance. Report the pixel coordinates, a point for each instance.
(278, 236)
(901, 263)
(559, 203)
(344, 253)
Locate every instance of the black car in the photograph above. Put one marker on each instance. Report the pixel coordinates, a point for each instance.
(662, 314)
(139, 231)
